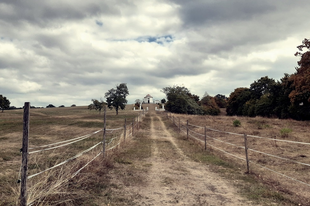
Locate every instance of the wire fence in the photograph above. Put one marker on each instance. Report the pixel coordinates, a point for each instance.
(241, 151)
(118, 136)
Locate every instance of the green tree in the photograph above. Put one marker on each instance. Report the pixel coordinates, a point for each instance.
(209, 106)
(180, 100)
(261, 87)
(97, 105)
(116, 97)
(221, 100)
(163, 101)
(236, 101)
(4, 103)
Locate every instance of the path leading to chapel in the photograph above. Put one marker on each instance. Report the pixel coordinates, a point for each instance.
(174, 179)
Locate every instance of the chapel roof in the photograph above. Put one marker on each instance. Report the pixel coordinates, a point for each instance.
(148, 96)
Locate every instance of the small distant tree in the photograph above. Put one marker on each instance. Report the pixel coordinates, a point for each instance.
(97, 105)
(50, 106)
(138, 103)
(4, 103)
(91, 107)
(116, 97)
(163, 101)
(73, 105)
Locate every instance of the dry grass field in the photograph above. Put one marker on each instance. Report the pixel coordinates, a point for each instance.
(290, 130)
(50, 125)
(93, 186)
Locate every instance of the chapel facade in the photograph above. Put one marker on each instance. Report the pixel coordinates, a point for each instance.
(148, 99)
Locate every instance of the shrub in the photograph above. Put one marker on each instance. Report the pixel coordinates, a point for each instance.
(236, 123)
(285, 131)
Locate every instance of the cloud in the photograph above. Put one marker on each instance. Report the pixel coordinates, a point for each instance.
(68, 52)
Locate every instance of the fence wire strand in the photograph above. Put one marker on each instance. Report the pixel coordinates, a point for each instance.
(69, 140)
(66, 161)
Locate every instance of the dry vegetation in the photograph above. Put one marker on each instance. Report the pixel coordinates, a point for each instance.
(47, 126)
(93, 186)
(263, 127)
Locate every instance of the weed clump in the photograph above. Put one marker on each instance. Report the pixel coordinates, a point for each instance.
(236, 123)
(285, 131)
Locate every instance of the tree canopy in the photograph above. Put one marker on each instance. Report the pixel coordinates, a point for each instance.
(180, 100)
(116, 97)
(4, 103)
(96, 105)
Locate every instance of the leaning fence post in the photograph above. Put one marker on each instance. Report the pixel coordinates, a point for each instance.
(187, 128)
(179, 125)
(104, 130)
(205, 138)
(246, 154)
(125, 130)
(24, 150)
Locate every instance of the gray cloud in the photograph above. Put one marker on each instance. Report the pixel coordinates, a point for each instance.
(66, 52)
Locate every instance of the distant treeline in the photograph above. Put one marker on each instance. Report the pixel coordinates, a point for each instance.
(287, 98)
(181, 100)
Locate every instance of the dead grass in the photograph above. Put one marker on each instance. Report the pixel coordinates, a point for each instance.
(269, 185)
(48, 126)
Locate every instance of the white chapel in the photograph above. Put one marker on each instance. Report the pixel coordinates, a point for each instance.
(148, 99)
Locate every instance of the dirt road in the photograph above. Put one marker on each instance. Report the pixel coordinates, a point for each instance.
(172, 178)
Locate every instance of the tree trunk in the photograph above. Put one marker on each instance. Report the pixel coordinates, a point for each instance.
(116, 111)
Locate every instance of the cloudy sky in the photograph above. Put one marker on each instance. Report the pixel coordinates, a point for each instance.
(69, 51)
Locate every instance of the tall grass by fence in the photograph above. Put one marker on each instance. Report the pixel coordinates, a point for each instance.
(239, 142)
(112, 139)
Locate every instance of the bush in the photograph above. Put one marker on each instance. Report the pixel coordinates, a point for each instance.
(285, 131)
(236, 123)
(50, 106)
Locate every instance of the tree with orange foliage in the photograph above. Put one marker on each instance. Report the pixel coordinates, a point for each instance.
(300, 96)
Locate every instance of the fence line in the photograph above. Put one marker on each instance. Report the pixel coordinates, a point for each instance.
(69, 140)
(66, 161)
(279, 157)
(271, 139)
(243, 147)
(134, 124)
(86, 136)
(217, 148)
(72, 158)
(267, 168)
(120, 128)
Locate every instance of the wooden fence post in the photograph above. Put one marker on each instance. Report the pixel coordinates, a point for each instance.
(132, 128)
(125, 130)
(187, 128)
(24, 150)
(104, 130)
(205, 138)
(179, 125)
(246, 154)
